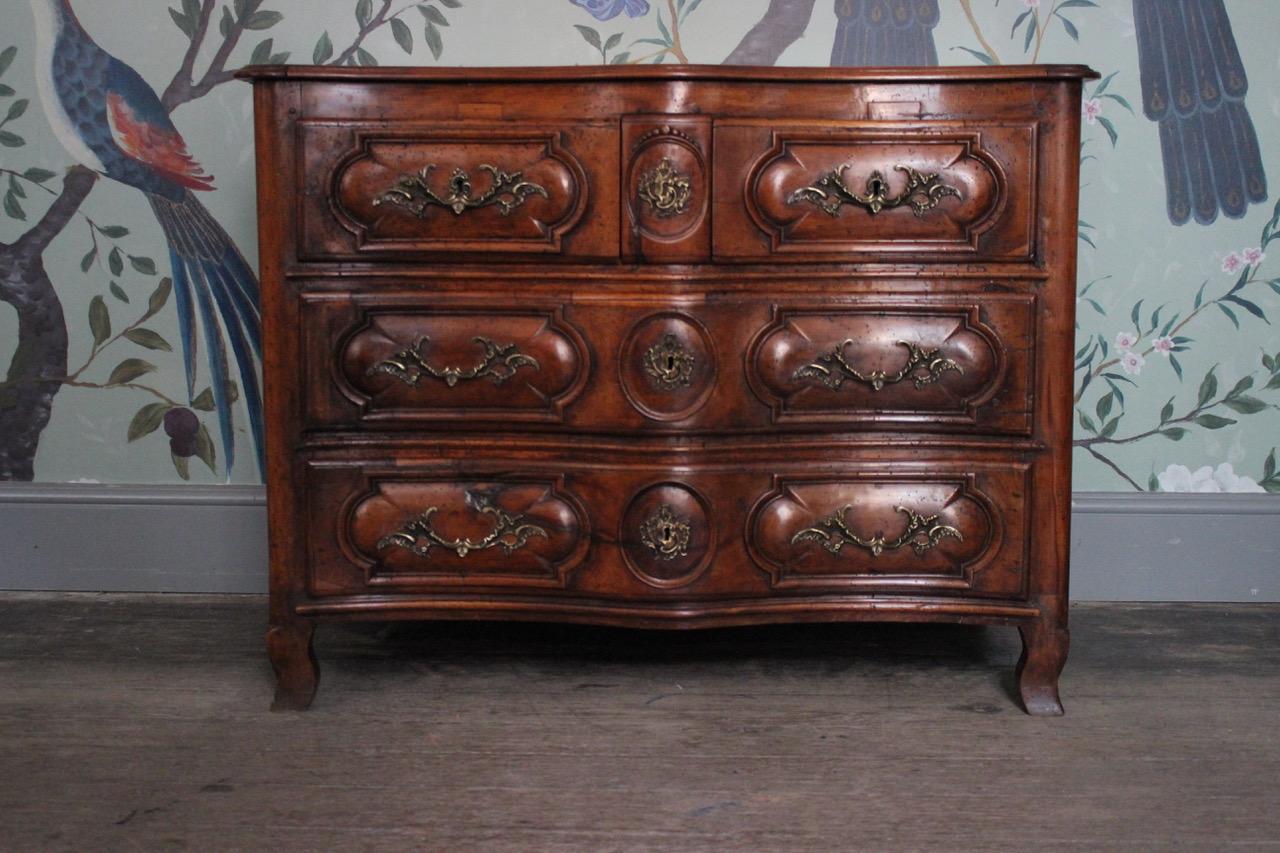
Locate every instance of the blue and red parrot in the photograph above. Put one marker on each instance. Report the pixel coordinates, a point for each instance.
(109, 119)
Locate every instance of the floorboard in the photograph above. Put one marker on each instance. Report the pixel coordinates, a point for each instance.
(131, 722)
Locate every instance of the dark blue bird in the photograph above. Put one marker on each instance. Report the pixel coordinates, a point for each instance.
(112, 121)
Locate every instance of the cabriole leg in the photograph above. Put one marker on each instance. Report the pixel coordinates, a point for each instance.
(1044, 652)
(289, 646)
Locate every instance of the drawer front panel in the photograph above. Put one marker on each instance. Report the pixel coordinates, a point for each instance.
(894, 190)
(392, 190)
(624, 527)
(950, 526)
(930, 362)
(958, 360)
(409, 362)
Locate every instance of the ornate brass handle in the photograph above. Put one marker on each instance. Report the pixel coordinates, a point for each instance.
(830, 192)
(665, 534)
(669, 365)
(832, 368)
(418, 536)
(499, 363)
(923, 532)
(414, 193)
(665, 190)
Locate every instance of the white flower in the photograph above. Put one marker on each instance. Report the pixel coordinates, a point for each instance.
(1125, 340)
(1253, 256)
(1163, 345)
(1091, 109)
(1132, 363)
(1179, 478)
(1232, 263)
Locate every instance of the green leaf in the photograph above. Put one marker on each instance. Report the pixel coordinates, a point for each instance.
(1068, 4)
(365, 58)
(241, 8)
(1135, 316)
(435, 41)
(147, 420)
(1230, 314)
(129, 370)
(6, 58)
(88, 259)
(146, 266)
(115, 262)
(204, 448)
(364, 13)
(17, 108)
(1068, 26)
(692, 7)
(158, 297)
(1240, 387)
(612, 42)
(1245, 405)
(226, 22)
(1200, 294)
(1208, 387)
(262, 53)
(1213, 421)
(620, 58)
(99, 321)
(1120, 100)
(662, 28)
(1031, 34)
(1251, 307)
(1017, 22)
(437, 17)
(450, 4)
(1110, 429)
(182, 22)
(1105, 82)
(1174, 433)
(1177, 366)
(1269, 467)
(589, 33)
(1166, 412)
(1110, 129)
(38, 176)
(180, 463)
(323, 51)
(1153, 485)
(118, 292)
(16, 188)
(263, 20)
(977, 54)
(5, 91)
(403, 35)
(1087, 423)
(1104, 406)
(13, 207)
(204, 400)
(114, 232)
(149, 339)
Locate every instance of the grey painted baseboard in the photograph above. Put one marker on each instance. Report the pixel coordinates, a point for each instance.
(1125, 547)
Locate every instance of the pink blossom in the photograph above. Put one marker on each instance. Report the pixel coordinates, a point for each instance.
(1132, 363)
(1125, 340)
(1163, 345)
(1253, 257)
(1232, 263)
(1092, 109)
(1031, 4)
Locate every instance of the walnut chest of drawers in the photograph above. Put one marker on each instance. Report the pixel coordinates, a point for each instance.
(669, 347)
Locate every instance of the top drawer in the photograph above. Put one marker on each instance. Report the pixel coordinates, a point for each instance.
(875, 190)
(377, 189)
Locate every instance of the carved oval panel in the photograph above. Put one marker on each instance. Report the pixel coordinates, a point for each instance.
(899, 363)
(498, 532)
(666, 535)
(423, 365)
(667, 366)
(920, 530)
(667, 186)
(480, 191)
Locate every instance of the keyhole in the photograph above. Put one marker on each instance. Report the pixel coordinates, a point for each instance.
(671, 362)
(667, 534)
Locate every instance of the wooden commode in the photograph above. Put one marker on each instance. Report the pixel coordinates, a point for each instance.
(669, 347)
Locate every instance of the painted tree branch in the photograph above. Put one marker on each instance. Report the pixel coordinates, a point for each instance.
(781, 26)
(184, 87)
(39, 363)
(380, 19)
(977, 31)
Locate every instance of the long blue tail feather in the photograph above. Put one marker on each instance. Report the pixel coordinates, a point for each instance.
(208, 266)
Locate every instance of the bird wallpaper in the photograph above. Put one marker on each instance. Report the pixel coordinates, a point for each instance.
(130, 345)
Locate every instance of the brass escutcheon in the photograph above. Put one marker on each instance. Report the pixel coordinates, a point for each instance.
(665, 534)
(669, 365)
(830, 192)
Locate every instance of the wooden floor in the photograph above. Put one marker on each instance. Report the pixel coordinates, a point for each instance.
(141, 723)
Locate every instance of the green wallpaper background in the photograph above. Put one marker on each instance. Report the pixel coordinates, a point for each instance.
(1179, 381)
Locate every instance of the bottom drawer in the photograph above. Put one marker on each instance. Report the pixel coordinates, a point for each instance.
(639, 526)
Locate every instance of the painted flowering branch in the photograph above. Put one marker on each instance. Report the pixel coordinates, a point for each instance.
(195, 20)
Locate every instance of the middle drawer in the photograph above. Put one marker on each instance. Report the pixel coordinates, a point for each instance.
(953, 362)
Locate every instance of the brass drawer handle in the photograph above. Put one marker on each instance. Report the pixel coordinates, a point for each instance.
(665, 534)
(665, 190)
(923, 367)
(922, 533)
(414, 193)
(830, 192)
(499, 363)
(509, 533)
(669, 365)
